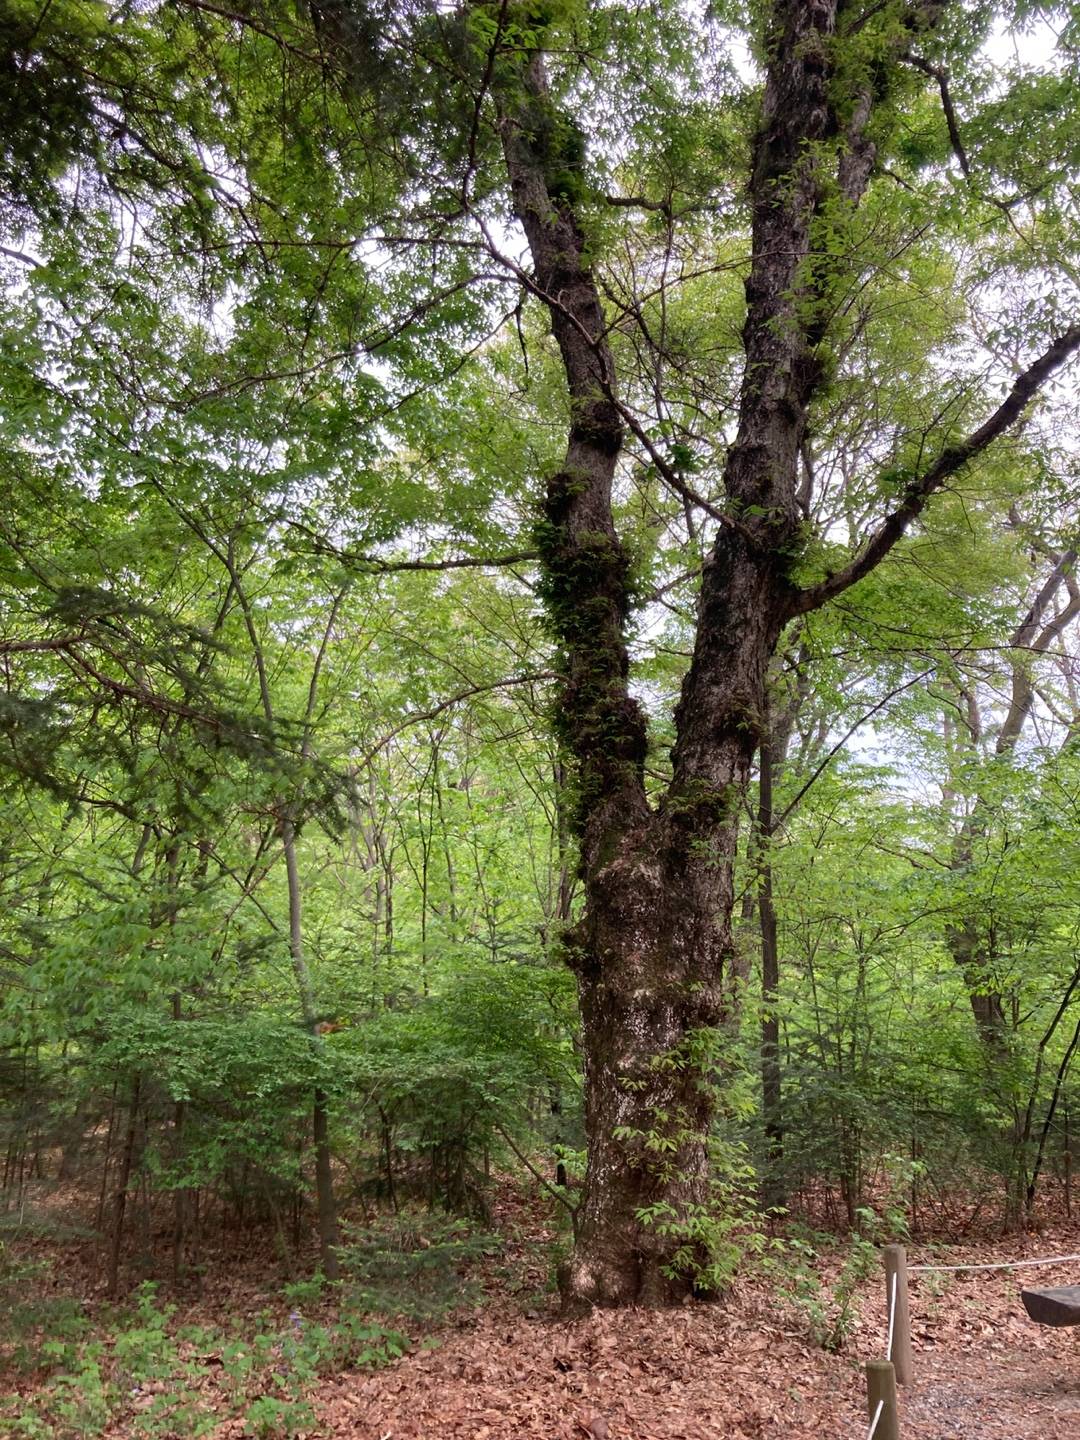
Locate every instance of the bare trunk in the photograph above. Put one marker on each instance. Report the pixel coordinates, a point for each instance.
(180, 1197)
(970, 946)
(971, 955)
(324, 1188)
(99, 1219)
(773, 1191)
(127, 1159)
(324, 1180)
(649, 1006)
(289, 815)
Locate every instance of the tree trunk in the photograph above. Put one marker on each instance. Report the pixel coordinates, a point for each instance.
(656, 967)
(773, 1191)
(971, 955)
(180, 1197)
(289, 815)
(971, 951)
(324, 1179)
(653, 953)
(647, 1004)
(329, 1239)
(127, 1159)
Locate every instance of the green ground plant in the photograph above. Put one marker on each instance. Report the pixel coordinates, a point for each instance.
(151, 1376)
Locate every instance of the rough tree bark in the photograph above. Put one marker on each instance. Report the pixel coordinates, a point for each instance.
(653, 952)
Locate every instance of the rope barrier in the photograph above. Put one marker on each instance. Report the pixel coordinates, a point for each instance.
(999, 1265)
(882, 1373)
(882, 1377)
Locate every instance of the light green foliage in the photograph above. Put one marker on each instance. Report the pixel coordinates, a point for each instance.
(716, 1236)
(830, 1307)
(269, 359)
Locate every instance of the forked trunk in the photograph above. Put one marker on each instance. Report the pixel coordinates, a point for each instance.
(653, 953)
(659, 980)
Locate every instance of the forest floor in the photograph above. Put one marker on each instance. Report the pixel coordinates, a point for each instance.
(489, 1358)
(750, 1369)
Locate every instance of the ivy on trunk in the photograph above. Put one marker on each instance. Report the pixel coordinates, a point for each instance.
(657, 969)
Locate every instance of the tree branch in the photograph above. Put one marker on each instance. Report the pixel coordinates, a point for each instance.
(862, 720)
(941, 75)
(951, 459)
(420, 716)
(551, 1189)
(22, 258)
(376, 565)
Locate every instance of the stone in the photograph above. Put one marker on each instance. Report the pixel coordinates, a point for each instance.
(1059, 1306)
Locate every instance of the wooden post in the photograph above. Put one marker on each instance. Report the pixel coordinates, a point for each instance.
(881, 1389)
(896, 1272)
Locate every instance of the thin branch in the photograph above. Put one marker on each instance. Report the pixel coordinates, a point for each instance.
(376, 565)
(899, 690)
(551, 1189)
(248, 22)
(420, 716)
(25, 647)
(638, 202)
(941, 75)
(22, 258)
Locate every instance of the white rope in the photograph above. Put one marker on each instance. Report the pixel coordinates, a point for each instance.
(888, 1353)
(892, 1316)
(1000, 1265)
(924, 1269)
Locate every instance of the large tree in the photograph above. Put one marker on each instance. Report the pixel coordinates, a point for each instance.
(387, 174)
(653, 950)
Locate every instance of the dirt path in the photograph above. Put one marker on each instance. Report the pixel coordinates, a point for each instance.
(983, 1370)
(1017, 1395)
